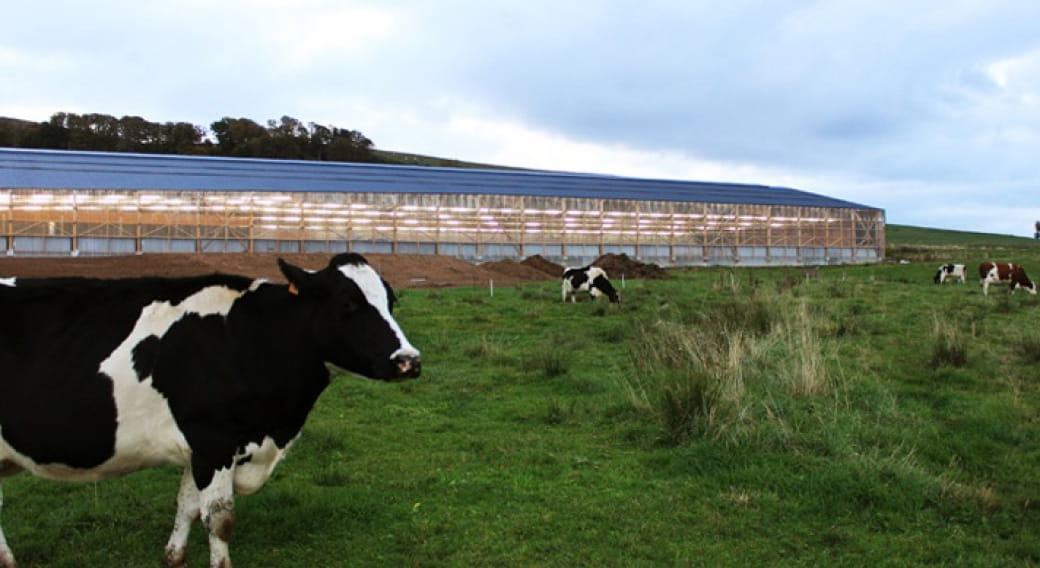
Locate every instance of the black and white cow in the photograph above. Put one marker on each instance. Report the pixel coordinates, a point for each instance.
(950, 272)
(591, 279)
(214, 373)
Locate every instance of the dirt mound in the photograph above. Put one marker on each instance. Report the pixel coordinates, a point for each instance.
(519, 270)
(542, 264)
(618, 264)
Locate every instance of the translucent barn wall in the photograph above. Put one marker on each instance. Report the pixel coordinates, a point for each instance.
(474, 227)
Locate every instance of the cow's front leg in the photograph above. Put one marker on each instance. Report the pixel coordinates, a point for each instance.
(187, 513)
(6, 556)
(217, 507)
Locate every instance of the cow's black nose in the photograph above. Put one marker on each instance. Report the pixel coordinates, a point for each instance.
(407, 366)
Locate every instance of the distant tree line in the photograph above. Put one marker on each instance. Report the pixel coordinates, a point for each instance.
(287, 138)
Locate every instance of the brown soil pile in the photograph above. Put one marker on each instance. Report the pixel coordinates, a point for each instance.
(517, 270)
(542, 264)
(618, 264)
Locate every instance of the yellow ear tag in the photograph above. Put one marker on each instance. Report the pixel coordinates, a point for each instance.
(293, 289)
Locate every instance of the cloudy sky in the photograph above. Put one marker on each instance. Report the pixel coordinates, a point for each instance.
(929, 109)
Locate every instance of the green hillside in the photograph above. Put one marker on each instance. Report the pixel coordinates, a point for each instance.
(906, 235)
(405, 159)
(922, 244)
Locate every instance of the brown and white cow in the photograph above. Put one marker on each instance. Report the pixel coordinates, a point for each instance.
(1005, 273)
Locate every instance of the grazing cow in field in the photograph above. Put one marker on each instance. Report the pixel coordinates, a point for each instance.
(950, 272)
(591, 279)
(213, 373)
(1004, 273)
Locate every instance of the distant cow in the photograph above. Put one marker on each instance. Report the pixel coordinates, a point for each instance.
(591, 279)
(213, 373)
(1004, 273)
(948, 272)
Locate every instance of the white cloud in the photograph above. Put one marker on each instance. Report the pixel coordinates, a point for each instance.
(14, 60)
(321, 34)
(1019, 72)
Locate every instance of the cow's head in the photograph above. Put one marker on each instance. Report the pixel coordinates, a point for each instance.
(602, 286)
(353, 326)
(1020, 280)
(939, 274)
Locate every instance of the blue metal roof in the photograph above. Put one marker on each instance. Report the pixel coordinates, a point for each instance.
(56, 169)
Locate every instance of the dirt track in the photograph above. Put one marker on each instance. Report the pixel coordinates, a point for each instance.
(402, 271)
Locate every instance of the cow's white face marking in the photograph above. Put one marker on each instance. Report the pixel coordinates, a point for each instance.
(7, 282)
(372, 287)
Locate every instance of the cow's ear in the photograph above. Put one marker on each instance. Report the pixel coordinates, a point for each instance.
(299, 279)
(390, 296)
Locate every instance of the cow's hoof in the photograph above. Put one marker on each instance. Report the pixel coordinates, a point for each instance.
(173, 559)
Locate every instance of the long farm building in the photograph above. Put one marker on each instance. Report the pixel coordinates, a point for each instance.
(91, 203)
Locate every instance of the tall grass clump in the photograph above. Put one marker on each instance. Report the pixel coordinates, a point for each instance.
(548, 362)
(1027, 347)
(751, 314)
(726, 374)
(803, 371)
(949, 343)
(690, 380)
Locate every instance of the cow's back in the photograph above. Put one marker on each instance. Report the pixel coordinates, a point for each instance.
(576, 276)
(73, 318)
(81, 320)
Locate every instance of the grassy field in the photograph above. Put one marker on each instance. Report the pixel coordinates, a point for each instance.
(754, 417)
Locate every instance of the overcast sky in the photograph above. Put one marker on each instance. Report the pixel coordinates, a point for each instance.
(927, 109)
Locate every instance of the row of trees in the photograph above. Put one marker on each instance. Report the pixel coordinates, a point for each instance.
(287, 138)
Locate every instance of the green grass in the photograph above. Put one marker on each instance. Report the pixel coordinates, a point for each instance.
(826, 431)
